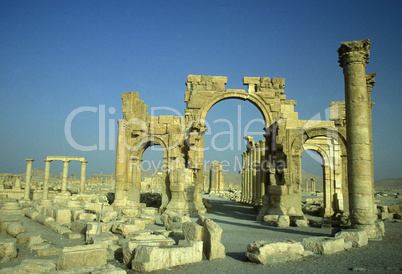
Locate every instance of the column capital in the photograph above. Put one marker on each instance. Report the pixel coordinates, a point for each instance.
(84, 162)
(354, 52)
(29, 160)
(47, 161)
(66, 161)
(370, 81)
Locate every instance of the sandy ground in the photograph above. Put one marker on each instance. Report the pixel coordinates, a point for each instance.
(240, 229)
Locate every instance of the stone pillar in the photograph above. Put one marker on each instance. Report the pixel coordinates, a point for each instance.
(134, 188)
(64, 179)
(263, 168)
(353, 57)
(28, 179)
(46, 180)
(17, 183)
(83, 177)
(257, 167)
(120, 179)
(243, 177)
(370, 82)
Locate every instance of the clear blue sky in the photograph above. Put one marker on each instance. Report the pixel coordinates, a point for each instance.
(57, 56)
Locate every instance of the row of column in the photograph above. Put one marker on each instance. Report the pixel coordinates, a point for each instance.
(46, 178)
(254, 169)
(216, 180)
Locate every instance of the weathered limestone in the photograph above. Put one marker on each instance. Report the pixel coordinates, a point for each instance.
(150, 258)
(129, 246)
(46, 180)
(32, 266)
(213, 247)
(28, 176)
(78, 256)
(358, 237)
(82, 179)
(8, 248)
(14, 229)
(324, 245)
(270, 253)
(353, 57)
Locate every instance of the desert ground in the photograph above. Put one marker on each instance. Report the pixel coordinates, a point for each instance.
(240, 228)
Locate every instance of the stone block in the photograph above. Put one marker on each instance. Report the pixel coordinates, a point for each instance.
(62, 215)
(148, 219)
(139, 222)
(31, 214)
(38, 246)
(142, 232)
(34, 239)
(283, 221)
(75, 212)
(386, 215)
(358, 237)
(86, 216)
(395, 208)
(53, 251)
(79, 226)
(78, 256)
(105, 239)
(149, 210)
(158, 129)
(72, 235)
(124, 228)
(213, 247)
(8, 247)
(24, 237)
(251, 80)
(193, 231)
(14, 229)
(94, 229)
(166, 119)
(5, 220)
(264, 252)
(130, 245)
(324, 245)
(43, 219)
(194, 78)
(31, 266)
(151, 258)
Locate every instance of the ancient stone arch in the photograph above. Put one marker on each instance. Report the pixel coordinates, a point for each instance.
(272, 178)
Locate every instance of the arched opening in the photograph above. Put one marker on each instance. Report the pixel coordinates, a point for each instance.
(227, 124)
(152, 176)
(312, 182)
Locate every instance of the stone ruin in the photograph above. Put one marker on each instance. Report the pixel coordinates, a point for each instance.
(271, 175)
(271, 180)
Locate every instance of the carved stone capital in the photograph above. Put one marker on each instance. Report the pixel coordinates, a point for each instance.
(354, 52)
(370, 81)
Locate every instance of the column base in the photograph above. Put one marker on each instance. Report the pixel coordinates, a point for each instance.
(374, 231)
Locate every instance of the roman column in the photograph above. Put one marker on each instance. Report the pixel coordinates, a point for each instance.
(353, 57)
(46, 180)
(28, 179)
(65, 175)
(83, 177)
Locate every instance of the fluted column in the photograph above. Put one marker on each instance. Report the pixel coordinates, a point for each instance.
(28, 179)
(83, 177)
(46, 180)
(353, 57)
(65, 175)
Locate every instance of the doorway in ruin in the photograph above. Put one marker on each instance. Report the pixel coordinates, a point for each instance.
(313, 190)
(153, 176)
(227, 124)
